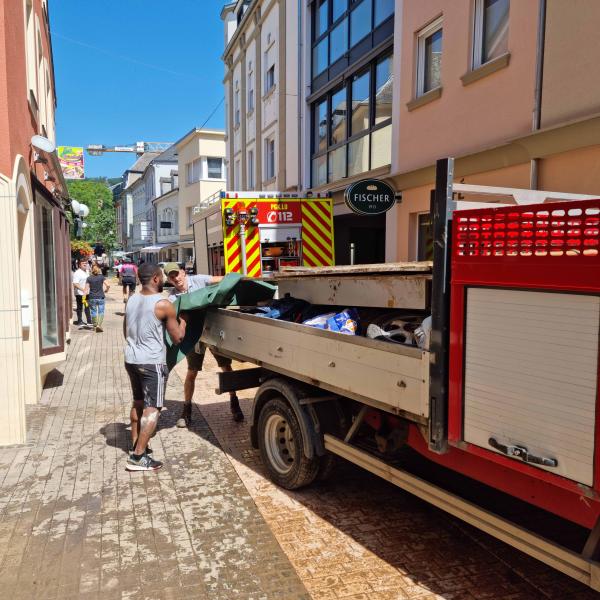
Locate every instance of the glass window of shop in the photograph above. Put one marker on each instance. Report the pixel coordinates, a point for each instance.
(47, 274)
(352, 124)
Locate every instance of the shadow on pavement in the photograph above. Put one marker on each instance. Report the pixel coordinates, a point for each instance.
(117, 435)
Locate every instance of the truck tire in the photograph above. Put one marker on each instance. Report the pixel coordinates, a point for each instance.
(281, 446)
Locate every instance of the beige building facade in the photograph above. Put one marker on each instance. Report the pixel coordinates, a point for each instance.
(261, 94)
(201, 174)
(510, 89)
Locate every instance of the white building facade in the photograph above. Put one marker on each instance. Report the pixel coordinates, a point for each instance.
(261, 93)
(202, 173)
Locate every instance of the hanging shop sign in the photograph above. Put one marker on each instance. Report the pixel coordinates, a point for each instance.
(370, 197)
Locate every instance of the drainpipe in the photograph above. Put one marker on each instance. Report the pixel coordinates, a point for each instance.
(300, 97)
(539, 78)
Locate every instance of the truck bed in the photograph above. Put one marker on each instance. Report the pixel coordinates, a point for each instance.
(393, 377)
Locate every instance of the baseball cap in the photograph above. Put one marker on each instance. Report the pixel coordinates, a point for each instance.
(170, 267)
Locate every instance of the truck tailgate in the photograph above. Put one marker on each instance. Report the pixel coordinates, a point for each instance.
(391, 376)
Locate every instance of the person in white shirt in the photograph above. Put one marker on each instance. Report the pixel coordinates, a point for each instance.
(79, 282)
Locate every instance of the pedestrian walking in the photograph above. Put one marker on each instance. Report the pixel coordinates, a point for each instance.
(184, 283)
(96, 286)
(80, 277)
(129, 274)
(147, 315)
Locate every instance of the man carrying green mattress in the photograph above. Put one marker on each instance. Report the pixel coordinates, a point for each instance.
(183, 284)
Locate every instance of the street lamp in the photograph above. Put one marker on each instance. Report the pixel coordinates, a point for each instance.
(81, 211)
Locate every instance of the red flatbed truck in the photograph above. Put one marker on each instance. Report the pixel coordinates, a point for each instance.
(505, 397)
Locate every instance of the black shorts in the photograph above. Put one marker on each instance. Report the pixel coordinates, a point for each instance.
(148, 383)
(131, 287)
(195, 359)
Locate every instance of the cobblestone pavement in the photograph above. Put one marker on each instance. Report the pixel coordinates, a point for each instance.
(75, 524)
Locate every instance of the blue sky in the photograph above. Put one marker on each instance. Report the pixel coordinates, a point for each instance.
(135, 70)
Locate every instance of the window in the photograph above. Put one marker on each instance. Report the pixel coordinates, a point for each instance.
(429, 58)
(337, 125)
(321, 126)
(214, 168)
(237, 176)
(269, 158)
(190, 215)
(269, 69)
(360, 91)
(338, 41)
(250, 169)
(250, 91)
(30, 50)
(351, 130)
(383, 10)
(320, 58)
(236, 106)
(383, 89)
(270, 78)
(360, 22)
(47, 275)
(193, 170)
(340, 25)
(491, 30)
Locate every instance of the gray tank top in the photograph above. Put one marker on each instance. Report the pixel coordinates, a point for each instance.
(145, 333)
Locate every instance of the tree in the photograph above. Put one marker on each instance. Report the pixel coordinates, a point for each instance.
(101, 222)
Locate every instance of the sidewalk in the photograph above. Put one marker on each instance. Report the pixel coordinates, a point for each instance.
(209, 525)
(75, 524)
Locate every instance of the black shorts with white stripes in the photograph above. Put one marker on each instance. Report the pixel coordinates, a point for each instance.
(148, 383)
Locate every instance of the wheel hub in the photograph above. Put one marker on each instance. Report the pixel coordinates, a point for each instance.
(279, 443)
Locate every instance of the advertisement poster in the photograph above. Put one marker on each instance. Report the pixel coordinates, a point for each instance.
(71, 161)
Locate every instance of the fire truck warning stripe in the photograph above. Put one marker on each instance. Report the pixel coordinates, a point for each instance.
(317, 242)
(316, 222)
(254, 267)
(322, 234)
(317, 248)
(234, 239)
(310, 259)
(324, 208)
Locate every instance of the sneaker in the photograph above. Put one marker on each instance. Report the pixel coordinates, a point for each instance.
(186, 416)
(145, 463)
(236, 411)
(78, 323)
(148, 449)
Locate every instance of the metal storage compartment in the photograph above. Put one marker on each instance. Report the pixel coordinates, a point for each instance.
(531, 361)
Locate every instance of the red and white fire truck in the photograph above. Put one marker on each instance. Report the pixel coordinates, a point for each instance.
(503, 400)
(259, 233)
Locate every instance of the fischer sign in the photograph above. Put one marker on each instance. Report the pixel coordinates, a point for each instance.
(370, 197)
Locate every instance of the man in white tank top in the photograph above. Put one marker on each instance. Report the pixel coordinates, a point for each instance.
(147, 315)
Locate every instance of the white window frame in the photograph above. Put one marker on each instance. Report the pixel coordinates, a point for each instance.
(30, 50)
(250, 176)
(250, 91)
(479, 16)
(193, 171)
(222, 169)
(269, 67)
(422, 36)
(269, 164)
(236, 106)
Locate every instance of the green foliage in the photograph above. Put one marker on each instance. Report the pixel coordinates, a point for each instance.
(102, 219)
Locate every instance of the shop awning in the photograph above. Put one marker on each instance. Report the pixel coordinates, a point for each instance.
(155, 248)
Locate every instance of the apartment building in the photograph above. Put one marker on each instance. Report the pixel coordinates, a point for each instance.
(202, 173)
(511, 89)
(166, 219)
(35, 298)
(261, 94)
(124, 202)
(143, 191)
(347, 66)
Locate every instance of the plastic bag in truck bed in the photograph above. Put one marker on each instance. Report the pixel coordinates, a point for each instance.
(233, 290)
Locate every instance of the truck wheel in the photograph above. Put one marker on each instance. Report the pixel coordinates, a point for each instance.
(281, 447)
